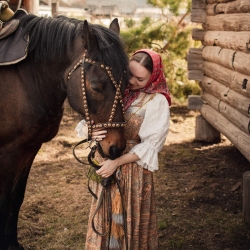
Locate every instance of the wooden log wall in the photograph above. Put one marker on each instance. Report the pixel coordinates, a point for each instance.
(222, 66)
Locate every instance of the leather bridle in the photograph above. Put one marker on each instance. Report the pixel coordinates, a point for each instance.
(110, 124)
(118, 95)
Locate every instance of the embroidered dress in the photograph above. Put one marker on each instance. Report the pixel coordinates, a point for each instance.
(147, 123)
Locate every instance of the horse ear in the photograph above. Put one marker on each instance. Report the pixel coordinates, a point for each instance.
(88, 37)
(115, 26)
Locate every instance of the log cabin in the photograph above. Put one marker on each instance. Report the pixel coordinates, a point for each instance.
(222, 68)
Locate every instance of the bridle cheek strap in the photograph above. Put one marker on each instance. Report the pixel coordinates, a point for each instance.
(118, 95)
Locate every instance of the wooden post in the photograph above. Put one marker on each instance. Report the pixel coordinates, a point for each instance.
(205, 132)
(32, 7)
(195, 102)
(246, 197)
(54, 7)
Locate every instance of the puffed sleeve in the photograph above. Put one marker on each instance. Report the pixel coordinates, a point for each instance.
(153, 132)
(82, 129)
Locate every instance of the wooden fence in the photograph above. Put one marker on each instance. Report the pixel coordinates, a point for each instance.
(222, 67)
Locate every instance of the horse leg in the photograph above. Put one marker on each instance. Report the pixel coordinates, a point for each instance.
(13, 182)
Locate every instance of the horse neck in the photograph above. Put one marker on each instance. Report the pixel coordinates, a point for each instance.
(51, 75)
(45, 80)
(57, 69)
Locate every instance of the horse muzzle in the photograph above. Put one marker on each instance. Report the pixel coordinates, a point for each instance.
(110, 151)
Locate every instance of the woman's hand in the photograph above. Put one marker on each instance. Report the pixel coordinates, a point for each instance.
(108, 167)
(98, 134)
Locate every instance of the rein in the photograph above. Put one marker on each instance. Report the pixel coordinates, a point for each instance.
(106, 182)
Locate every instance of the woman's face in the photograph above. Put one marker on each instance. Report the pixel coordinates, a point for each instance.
(139, 75)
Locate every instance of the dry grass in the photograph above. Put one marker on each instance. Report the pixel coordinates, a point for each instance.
(198, 193)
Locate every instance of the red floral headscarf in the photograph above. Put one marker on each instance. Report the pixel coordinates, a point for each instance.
(156, 84)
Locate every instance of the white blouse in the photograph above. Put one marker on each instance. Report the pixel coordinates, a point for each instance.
(153, 131)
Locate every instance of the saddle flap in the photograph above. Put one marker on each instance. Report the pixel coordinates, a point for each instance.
(13, 46)
(8, 28)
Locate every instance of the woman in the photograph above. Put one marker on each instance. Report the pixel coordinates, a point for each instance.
(146, 102)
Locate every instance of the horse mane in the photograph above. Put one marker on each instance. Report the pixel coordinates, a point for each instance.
(49, 39)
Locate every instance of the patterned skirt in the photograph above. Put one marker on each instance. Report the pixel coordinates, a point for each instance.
(137, 192)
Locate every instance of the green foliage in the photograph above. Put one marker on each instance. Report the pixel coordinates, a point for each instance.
(140, 36)
(130, 23)
(170, 38)
(173, 5)
(178, 83)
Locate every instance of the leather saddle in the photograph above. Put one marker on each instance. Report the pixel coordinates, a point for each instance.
(13, 46)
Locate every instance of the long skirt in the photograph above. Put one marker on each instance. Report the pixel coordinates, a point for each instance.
(137, 193)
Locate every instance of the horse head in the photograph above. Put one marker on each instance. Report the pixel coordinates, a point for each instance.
(96, 82)
(87, 61)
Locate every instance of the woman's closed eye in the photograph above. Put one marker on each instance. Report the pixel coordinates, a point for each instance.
(137, 78)
(140, 79)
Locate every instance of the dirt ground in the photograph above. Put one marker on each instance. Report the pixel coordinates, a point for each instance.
(198, 192)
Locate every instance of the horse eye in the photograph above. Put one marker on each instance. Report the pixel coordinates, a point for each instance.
(96, 89)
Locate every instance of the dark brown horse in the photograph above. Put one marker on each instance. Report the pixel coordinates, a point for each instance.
(65, 59)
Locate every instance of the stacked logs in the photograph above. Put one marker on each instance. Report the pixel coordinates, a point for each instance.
(222, 67)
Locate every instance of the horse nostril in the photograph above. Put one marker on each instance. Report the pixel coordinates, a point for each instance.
(114, 152)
